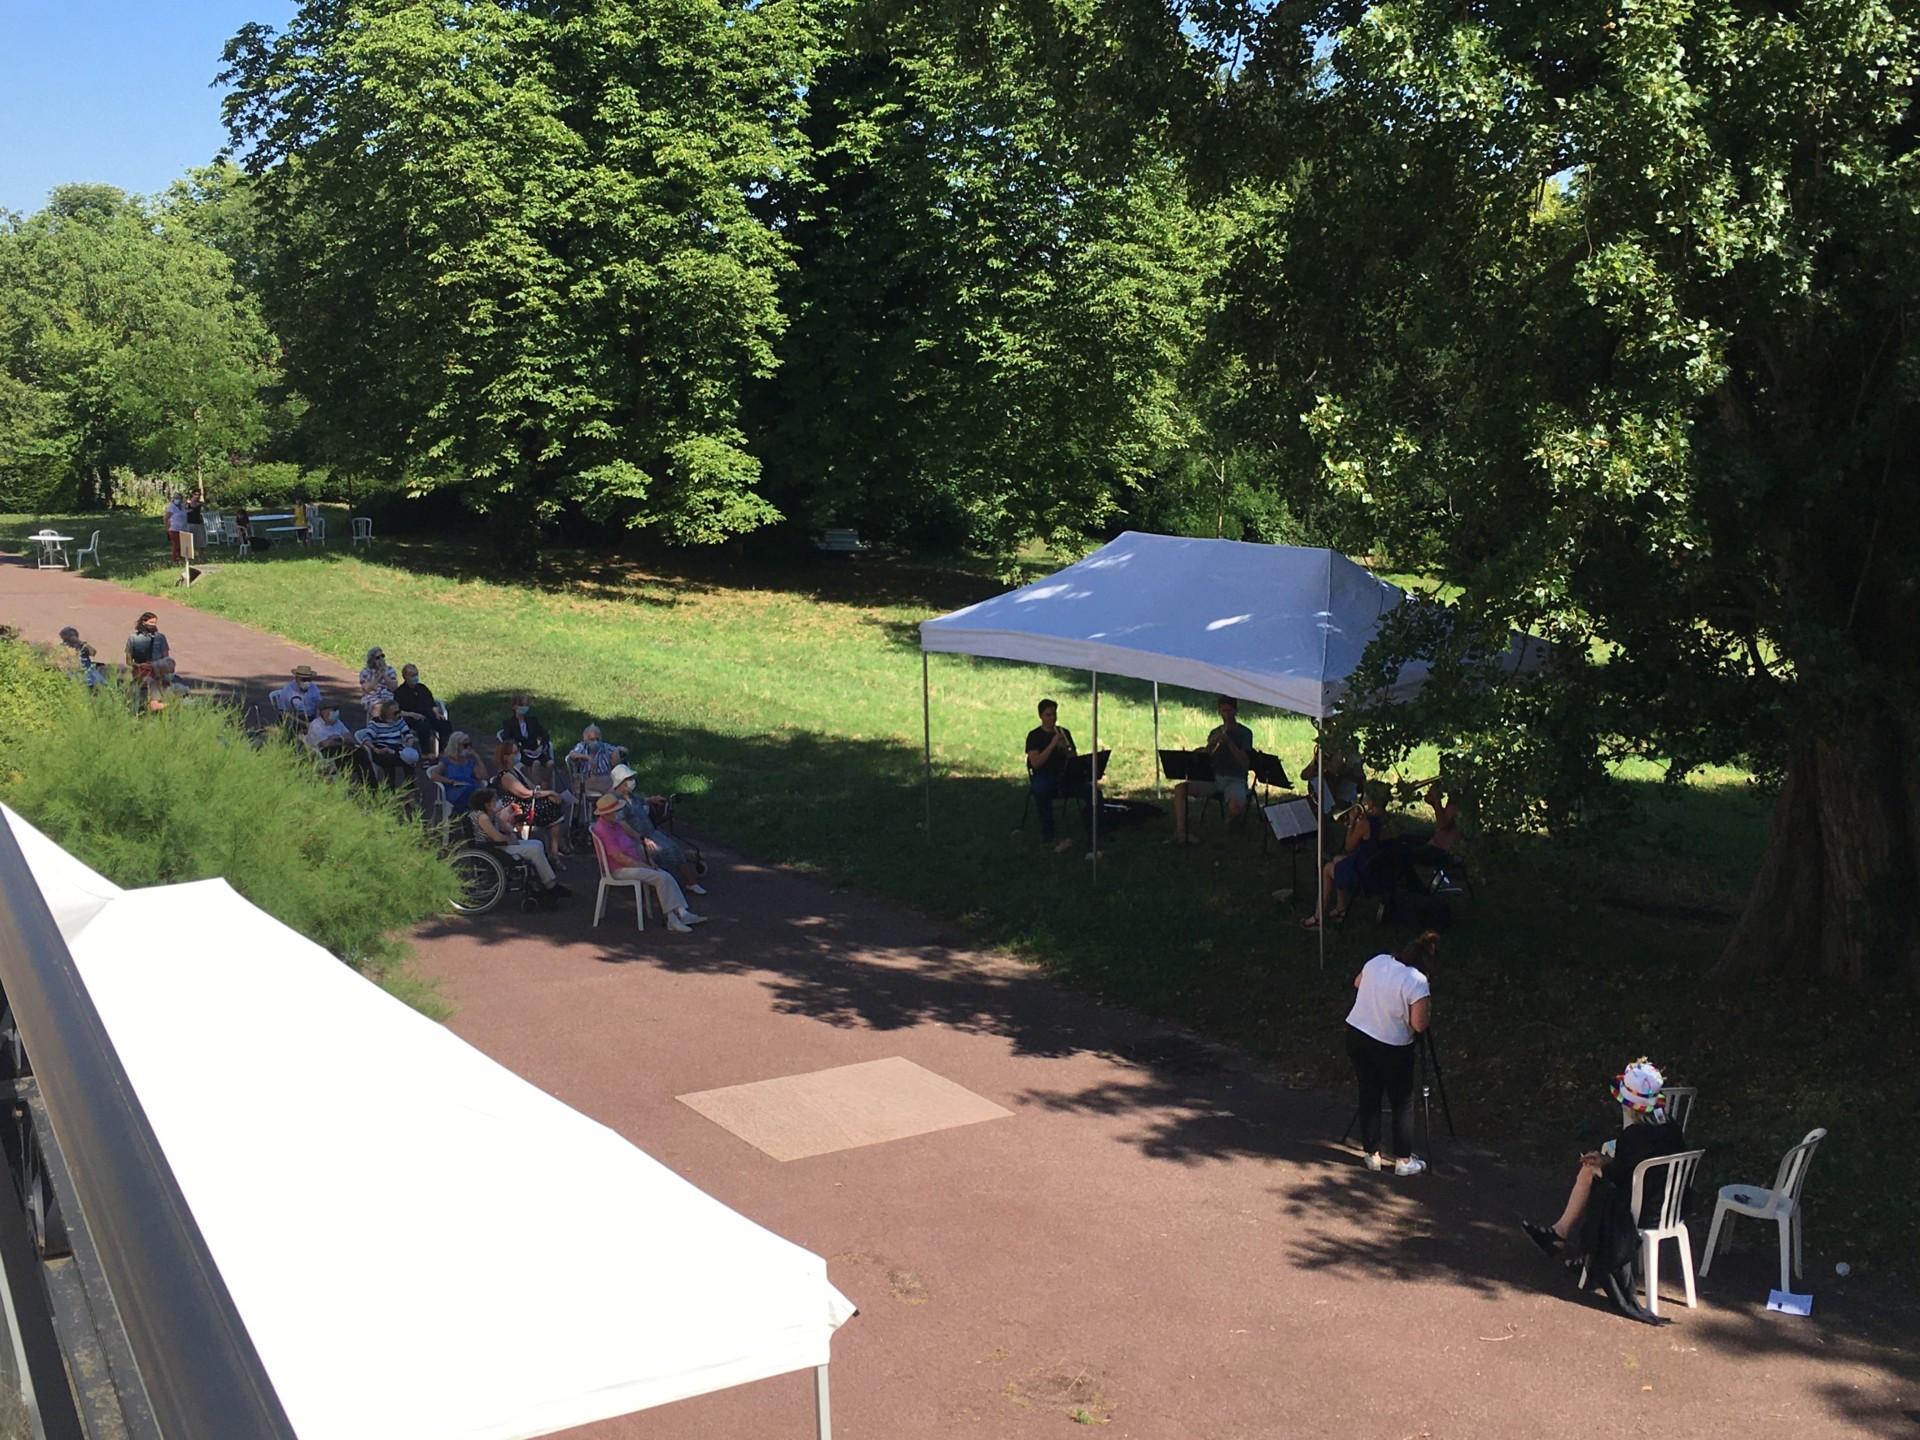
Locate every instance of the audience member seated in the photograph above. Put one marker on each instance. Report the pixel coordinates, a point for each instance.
(594, 758)
(546, 810)
(1341, 876)
(636, 814)
(460, 770)
(298, 701)
(1050, 753)
(1439, 847)
(377, 680)
(1599, 1217)
(626, 860)
(523, 727)
(425, 716)
(91, 675)
(243, 526)
(496, 821)
(150, 665)
(1345, 777)
(326, 735)
(1230, 748)
(388, 745)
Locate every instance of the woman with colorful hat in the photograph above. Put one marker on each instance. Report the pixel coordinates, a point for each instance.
(625, 860)
(1598, 1226)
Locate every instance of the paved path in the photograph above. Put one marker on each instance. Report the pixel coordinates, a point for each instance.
(1154, 1237)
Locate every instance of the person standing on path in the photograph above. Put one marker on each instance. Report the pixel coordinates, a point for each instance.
(1393, 1007)
(176, 525)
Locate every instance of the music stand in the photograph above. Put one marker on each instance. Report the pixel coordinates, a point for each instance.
(1080, 771)
(1292, 823)
(1186, 764)
(1269, 773)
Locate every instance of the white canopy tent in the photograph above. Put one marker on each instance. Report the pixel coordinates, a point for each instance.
(1282, 625)
(422, 1245)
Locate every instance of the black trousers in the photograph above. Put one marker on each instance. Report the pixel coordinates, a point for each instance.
(1383, 1070)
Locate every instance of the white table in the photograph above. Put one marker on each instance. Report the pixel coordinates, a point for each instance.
(53, 549)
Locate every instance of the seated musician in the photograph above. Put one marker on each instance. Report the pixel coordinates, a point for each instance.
(1050, 753)
(1345, 776)
(1230, 748)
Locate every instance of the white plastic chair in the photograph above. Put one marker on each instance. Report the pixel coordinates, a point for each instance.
(1781, 1204)
(92, 547)
(1679, 1102)
(362, 530)
(609, 882)
(1669, 1225)
(317, 526)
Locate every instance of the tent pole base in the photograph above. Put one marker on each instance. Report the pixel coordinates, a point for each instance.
(823, 1408)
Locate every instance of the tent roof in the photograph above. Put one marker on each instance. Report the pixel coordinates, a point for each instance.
(1278, 624)
(420, 1243)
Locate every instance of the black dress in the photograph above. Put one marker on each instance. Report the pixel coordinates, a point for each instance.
(1608, 1229)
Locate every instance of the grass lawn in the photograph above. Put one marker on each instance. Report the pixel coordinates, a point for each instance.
(788, 702)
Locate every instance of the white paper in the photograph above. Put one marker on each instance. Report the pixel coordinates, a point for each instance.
(1788, 1303)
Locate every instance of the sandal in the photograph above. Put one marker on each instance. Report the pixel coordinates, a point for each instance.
(1544, 1236)
(1312, 922)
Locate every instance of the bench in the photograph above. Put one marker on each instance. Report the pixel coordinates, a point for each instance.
(840, 542)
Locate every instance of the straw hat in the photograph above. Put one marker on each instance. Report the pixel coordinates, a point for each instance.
(303, 672)
(608, 804)
(1638, 1087)
(621, 775)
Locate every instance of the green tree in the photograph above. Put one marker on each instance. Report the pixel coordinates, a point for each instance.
(1603, 314)
(516, 245)
(126, 344)
(988, 331)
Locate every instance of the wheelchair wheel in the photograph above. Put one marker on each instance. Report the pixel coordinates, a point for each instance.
(482, 881)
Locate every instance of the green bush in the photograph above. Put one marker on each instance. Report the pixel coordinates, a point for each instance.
(268, 485)
(186, 795)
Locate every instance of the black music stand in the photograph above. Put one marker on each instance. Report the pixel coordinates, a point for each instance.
(1186, 764)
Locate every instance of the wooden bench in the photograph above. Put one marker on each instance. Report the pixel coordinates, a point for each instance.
(840, 542)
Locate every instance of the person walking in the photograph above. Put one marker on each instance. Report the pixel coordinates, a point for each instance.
(1393, 1007)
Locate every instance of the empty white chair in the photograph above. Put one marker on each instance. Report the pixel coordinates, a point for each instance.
(362, 530)
(1781, 1204)
(92, 547)
(1678, 1100)
(317, 526)
(609, 882)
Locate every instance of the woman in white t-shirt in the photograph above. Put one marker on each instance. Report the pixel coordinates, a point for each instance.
(1392, 1008)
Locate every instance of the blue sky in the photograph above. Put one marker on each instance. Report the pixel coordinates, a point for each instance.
(112, 90)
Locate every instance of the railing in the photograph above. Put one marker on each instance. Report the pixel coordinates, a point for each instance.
(122, 1319)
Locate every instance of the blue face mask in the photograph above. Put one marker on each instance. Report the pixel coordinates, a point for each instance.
(521, 710)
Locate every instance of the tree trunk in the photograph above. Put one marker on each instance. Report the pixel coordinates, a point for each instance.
(1838, 893)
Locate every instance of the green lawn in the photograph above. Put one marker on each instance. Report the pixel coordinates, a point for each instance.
(788, 701)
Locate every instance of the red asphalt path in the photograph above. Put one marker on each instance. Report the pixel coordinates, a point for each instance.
(1155, 1237)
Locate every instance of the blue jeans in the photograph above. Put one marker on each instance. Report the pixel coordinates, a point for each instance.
(1046, 790)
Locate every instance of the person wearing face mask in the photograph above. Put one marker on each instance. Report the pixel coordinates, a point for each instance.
(461, 770)
(524, 729)
(425, 716)
(149, 662)
(326, 735)
(377, 680)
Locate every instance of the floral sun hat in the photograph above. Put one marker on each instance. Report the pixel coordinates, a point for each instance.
(1638, 1087)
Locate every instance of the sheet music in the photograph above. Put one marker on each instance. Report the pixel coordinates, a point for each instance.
(1290, 818)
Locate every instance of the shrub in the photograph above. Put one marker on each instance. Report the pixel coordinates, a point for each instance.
(187, 795)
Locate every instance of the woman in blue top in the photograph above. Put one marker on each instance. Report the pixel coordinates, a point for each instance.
(461, 770)
(1342, 875)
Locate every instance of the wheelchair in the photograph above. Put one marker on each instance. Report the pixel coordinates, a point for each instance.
(487, 874)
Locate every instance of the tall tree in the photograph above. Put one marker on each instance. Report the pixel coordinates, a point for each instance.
(516, 243)
(988, 331)
(1604, 314)
(125, 344)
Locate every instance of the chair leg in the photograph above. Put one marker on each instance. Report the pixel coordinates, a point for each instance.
(1798, 1268)
(640, 908)
(600, 902)
(1714, 1242)
(1786, 1253)
(1650, 1263)
(1686, 1267)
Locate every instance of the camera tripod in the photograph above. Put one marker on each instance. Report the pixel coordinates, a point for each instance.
(1430, 1080)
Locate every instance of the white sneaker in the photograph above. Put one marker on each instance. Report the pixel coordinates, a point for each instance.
(1412, 1165)
(678, 926)
(696, 889)
(1373, 1161)
(687, 917)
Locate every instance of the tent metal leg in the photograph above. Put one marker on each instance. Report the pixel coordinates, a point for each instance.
(926, 738)
(823, 1408)
(1093, 785)
(1156, 739)
(1321, 789)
